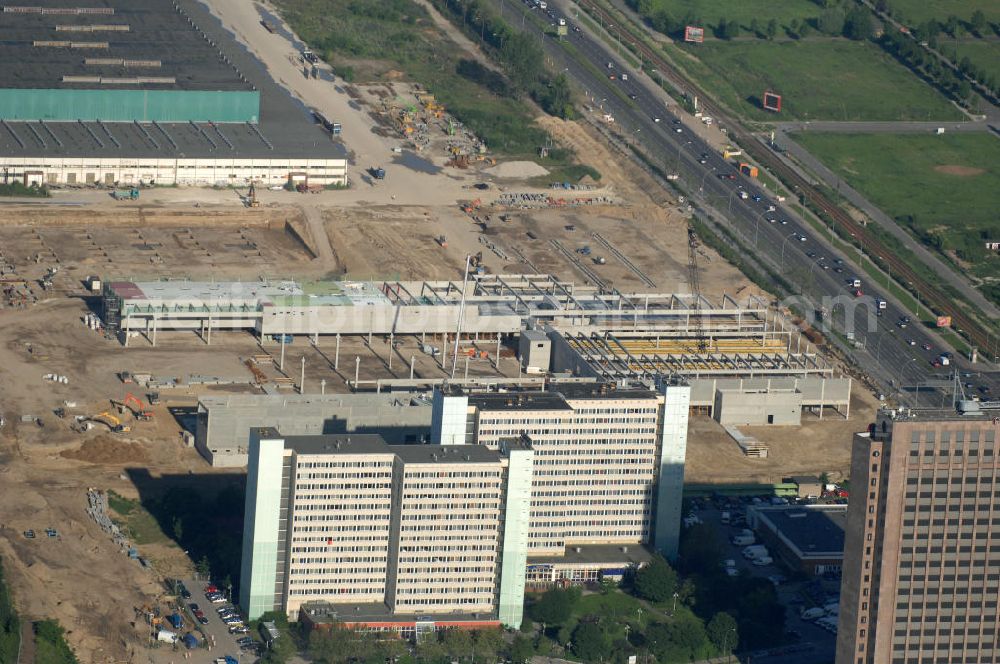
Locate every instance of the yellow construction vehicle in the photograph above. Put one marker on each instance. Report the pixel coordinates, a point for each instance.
(252, 196)
(111, 422)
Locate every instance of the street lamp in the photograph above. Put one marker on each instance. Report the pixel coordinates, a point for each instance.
(783, 247)
(903, 366)
(701, 189)
(672, 610)
(725, 644)
(756, 223)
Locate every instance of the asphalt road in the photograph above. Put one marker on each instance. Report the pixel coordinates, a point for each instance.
(897, 357)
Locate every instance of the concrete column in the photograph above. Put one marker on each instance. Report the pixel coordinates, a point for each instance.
(391, 335)
(154, 331)
(357, 370)
(322, 386)
(497, 362)
(369, 337)
(466, 367)
(281, 361)
(336, 354)
(302, 376)
(822, 396)
(209, 330)
(316, 339)
(412, 360)
(423, 337)
(128, 321)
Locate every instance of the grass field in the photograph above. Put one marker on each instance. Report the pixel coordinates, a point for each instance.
(985, 54)
(392, 36)
(918, 11)
(945, 189)
(819, 79)
(744, 11)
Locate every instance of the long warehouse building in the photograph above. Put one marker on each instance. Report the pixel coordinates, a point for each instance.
(147, 92)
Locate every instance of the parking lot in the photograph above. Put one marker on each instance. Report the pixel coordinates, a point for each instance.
(808, 643)
(220, 642)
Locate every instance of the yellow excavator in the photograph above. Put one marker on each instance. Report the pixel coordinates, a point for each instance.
(111, 422)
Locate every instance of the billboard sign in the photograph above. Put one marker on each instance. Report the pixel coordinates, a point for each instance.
(772, 102)
(693, 34)
(944, 321)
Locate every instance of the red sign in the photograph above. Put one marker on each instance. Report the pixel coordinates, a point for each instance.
(694, 35)
(944, 321)
(772, 102)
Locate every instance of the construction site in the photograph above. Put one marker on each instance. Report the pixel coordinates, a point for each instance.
(141, 335)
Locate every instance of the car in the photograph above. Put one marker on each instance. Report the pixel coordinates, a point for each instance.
(233, 621)
(702, 160)
(244, 640)
(656, 119)
(576, 28)
(811, 254)
(839, 261)
(838, 270)
(238, 629)
(772, 220)
(678, 130)
(802, 238)
(611, 65)
(730, 176)
(984, 389)
(612, 77)
(217, 599)
(784, 222)
(676, 121)
(198, 612)
(30, 534)
(901, 324)
(905, 319)
(194, 607)
(827, 267)
(912, 342)
(203, 619)
(633, 96)
(925, 346)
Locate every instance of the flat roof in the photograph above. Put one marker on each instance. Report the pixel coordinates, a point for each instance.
(373, 443)
(277, 293)
(518, 400)
(328, 612)
(612, 554)
(152, 39)
(287, 128)
(813, 531)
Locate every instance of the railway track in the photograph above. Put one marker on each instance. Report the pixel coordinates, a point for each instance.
(940, 302)
(617, 253)
(579, 265)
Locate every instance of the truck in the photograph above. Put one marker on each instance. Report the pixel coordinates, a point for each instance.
(762, 561)
(745, 538)
(125, 194)
(855, 283)
(882, 304)
(176, 620)
(377, 172)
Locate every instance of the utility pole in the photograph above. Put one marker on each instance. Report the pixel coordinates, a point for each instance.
(302, 376)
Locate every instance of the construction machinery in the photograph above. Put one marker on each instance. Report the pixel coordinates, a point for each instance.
(134, 405)
(250, 200)
(112, 422)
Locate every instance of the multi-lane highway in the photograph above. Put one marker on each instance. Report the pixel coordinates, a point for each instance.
(894, 350)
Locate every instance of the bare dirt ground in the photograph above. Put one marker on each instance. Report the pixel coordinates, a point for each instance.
(810, 449)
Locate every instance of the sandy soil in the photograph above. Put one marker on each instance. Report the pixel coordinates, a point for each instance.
(810, 449)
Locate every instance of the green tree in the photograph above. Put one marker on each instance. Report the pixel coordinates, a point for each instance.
(280, 651)
(521, 650)
(658, 640)
(556, 97)
(859, 24)
(687, 633)
(978, 22)
(755, 26)
(589, 642)
(883, 7)
(657, 581)
(793, 27)
(178, 529)
(952, 25)
(553, 607)
(204, 568)
(772, 28)
(429, 649)
(457, 643)
(50, 644)
(805, 30)
(487, 644)
(722, 632)
(831, 21)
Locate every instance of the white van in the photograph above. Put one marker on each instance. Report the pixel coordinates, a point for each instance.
(882, 304)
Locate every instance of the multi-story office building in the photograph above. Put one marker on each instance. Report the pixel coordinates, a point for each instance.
(609, 463)
(392, 534)
(922, 550)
